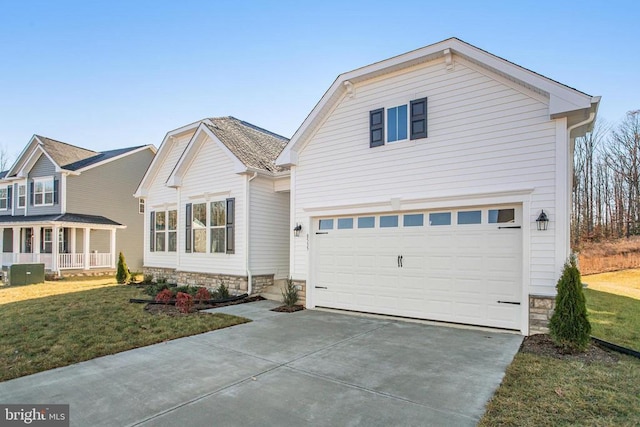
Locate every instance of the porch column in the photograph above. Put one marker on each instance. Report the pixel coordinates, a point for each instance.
(113, 248)
(55, 246)
(36, 243)
(85, 247)
(72, 240)
(17, 235)
(1, 241)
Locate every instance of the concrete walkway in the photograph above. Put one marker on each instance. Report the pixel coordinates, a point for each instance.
(306, 368)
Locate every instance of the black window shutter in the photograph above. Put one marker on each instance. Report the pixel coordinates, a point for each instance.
(231, 212)
(31, 189)
(152, 232)
(187, 228)
(418, 120)
(376, 127)
(9, 188)
(56, 184)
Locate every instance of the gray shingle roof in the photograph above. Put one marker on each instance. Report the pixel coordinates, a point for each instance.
(67, 217)
(255, 147)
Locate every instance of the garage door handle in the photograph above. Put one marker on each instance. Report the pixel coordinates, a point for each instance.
(321, 287)
(510, 226)
(399, 261)
(322, 232)
(509, 302)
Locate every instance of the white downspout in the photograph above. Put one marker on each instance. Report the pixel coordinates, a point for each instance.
(582, 123)
(246, 232)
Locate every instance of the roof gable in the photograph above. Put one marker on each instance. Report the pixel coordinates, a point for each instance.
(564, 101)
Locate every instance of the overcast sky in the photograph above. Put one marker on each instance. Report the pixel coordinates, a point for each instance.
(111, 74)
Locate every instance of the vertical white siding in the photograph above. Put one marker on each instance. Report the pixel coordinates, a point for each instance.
(484, 136)
(269, 229)
(211, 177)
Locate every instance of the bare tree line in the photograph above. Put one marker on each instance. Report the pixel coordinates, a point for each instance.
(606, 181)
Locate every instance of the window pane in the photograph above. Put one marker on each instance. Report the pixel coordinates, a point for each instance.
(39, 187)
(443, 218)
(159, 242)
(38, 199)
(345, 223)
(173, 220)
(413, 220)
(366, 222)
(173, 241)
(160, 221)
(470, 217)
(48, 186)
(21, 190)
(217, 214)
(200, 240)
(199, 215)
(392, 124)
(48, 198)
(402, 122)
(326, 224)
(389, 221)
(497, 216)
(217, 240)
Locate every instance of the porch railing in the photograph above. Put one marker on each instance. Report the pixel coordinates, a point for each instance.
(74, 261)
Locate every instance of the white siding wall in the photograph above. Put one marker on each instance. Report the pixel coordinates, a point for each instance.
(269, 229)
(483, 136)
(212, 172)
(159, 195)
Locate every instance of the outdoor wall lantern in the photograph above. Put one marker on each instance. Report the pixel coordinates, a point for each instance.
(542, 221)
(297, 229)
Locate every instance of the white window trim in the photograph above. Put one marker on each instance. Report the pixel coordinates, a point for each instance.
(5, 198)
(208, 227)
(24, 204)
(44, 180)
(141, 206)
(386, 122)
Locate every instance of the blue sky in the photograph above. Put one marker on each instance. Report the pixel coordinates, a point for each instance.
(110, 74)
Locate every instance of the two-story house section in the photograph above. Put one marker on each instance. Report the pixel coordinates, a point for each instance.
(420, 184)
(72, 208)
(217, 206)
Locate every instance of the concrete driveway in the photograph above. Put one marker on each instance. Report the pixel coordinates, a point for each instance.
(306, 368)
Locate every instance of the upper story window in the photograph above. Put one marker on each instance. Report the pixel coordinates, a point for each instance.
(141, 205)
(4, 198)
(402, 122)
(43, 192)
(22, 196)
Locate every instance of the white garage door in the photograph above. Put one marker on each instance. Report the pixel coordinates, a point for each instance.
(461, 266)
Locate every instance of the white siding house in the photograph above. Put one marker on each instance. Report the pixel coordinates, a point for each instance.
(213, 212)
(418, 181)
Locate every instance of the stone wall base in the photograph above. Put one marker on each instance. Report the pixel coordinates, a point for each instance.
(236, 284)
(302, 291)
(540, 311)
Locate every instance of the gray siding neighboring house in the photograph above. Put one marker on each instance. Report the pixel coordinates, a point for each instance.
(72, 208)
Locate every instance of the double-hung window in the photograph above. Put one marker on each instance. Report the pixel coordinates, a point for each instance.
(210, 227)
(164, 226)
(160, 227)
(43, 192)
(172, 233)
(218, 223)
(4, 198)
(199, 227)
(405, 121)
(22, 196)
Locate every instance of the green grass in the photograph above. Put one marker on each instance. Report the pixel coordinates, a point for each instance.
(88, 321)
(614, 318)
(541, 391)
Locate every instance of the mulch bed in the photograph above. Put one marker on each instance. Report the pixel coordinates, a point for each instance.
(543, 345)
(285, 309)
(172, 310)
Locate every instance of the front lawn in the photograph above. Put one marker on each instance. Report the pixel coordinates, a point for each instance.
(69, 322)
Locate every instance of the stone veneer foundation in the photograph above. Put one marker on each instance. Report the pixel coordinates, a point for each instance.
(540, 311)
(236, 284)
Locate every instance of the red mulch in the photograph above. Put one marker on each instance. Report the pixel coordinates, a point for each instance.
(172, 310)
(543, 345)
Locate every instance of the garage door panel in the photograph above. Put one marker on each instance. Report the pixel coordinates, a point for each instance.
(449, 273)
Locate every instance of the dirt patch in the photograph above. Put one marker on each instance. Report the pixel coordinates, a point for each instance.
(287, 309)
(543, 345)
(172, 310)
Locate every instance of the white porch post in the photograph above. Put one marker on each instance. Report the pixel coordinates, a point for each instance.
(36, 243)
(72, 240)
(16, 243)
(55, 244)
(1, 241)
(113, 248)
(85, 247)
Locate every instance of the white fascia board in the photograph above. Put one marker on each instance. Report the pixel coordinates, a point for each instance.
(113, 159)
(161, 154)
(34, 140)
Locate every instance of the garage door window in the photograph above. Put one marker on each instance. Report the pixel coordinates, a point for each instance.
(366, 222)
(388, 221)
(498, 216)
(326, 224)
(469, 217)
(413, 220)
(442, 218)
(345, 223)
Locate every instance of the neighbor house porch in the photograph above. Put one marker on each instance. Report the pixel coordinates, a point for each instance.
(59, 243)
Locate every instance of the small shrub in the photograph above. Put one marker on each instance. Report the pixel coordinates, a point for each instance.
(222, 290)
(164, 296)
(162, 280)
(191, 290)
(184, 302)
(202, 295)
(148, 279)
(290, 293)
(569, 326)
(155, 289)
(122, 275)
